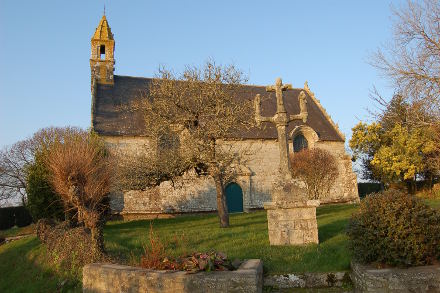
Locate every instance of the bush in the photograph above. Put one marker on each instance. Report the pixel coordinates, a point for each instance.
(42, 201)
(396, 229)
(317, 168)
(7, 218)
(22, 216)
(69, 248)
(432, 193)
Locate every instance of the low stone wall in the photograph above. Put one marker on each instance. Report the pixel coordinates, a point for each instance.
(118, 278)
(308, 280)
(416, 279)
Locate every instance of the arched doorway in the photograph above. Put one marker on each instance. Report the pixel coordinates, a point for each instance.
(234, 198)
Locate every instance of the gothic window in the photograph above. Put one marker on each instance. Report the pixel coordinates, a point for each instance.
(102, 52)
(299, 143)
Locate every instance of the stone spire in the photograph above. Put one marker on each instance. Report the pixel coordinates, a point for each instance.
(103, 31)
(102, 62)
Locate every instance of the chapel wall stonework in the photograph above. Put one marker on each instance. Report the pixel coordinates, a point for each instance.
(259, 162)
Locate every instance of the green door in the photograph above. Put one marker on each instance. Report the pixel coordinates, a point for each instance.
(234, 198)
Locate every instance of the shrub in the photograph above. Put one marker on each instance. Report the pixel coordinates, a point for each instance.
(69, 249)
(80, 171)
(42, 201)
(317, 168)
(22, 216)
(7, 218)
(433, 193)
(396, 229)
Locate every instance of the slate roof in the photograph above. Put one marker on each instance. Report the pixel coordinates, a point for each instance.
(109, 117)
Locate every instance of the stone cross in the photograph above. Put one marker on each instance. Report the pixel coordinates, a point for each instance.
(281, 120)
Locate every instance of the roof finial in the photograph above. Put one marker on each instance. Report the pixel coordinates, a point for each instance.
(104, 9)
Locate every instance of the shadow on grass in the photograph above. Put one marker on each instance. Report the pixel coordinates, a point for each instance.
(23, 268)
(332, 229)
(181, 220)
(334, 208)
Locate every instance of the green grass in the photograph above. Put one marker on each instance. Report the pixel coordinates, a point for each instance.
(435, 203)
(246, 238)
(17, 231)
(25, 268)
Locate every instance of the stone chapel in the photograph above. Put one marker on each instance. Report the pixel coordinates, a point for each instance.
(252, 186)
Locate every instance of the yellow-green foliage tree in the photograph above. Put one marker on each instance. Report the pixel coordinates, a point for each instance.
(394, 155)
(411, 62)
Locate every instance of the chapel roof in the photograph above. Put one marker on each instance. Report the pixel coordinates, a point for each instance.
(103, 31)
(111, 118)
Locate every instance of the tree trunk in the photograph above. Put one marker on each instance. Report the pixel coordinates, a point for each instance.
(216, 173)
(92, 220)
(98, 240)
(222, 207)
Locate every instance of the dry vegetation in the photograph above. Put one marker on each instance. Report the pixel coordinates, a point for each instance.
(317, 169)
(80, 174)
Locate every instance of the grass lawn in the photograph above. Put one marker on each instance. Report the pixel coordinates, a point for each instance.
(246, 238)
(16, 231)
(25, 268)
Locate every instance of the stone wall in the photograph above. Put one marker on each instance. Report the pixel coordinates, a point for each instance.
(309, 280)
(257, 170)
(416, 279)
(110, 278)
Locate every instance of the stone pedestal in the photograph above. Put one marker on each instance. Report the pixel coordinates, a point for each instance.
(293, 222)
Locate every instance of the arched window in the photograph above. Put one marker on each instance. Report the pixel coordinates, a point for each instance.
(299, 143)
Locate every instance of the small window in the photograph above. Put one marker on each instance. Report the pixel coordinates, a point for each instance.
(102, 52)
(299, 143)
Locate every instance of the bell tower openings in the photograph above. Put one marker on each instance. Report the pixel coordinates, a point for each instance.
(102, 62)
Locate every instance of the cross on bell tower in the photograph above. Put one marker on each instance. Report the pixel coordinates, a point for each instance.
(102, 62)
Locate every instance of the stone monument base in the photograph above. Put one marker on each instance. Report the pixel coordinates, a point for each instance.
(292, 223)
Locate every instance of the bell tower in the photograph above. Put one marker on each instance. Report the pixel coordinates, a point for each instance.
(102, 62)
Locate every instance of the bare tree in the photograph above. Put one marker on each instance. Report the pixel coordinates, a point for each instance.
(15, 159)
(317, 168)
(80, 174)
(411, 60)
(186, 117)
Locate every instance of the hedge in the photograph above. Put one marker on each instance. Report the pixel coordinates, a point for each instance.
(11, 216)
(365, 188)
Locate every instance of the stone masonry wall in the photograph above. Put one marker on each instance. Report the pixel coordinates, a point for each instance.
(111, 278)
(257, 170)
(367, 278)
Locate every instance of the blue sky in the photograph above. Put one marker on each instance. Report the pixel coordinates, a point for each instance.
(45, 51)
